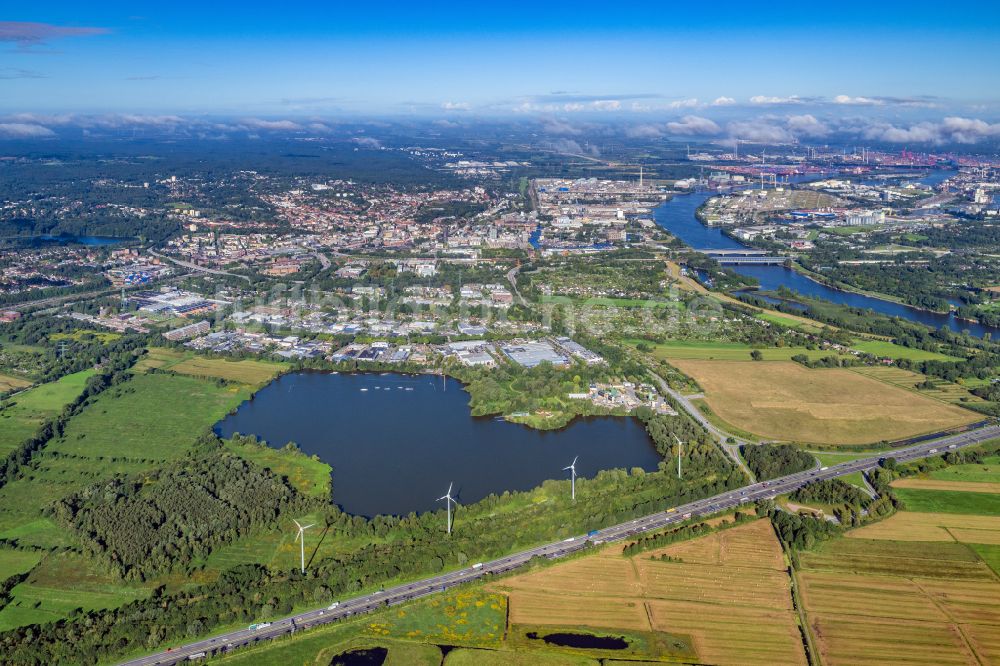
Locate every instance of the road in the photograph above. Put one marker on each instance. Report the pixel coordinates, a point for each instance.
(732, 450)
(196, 267)
(404, 593)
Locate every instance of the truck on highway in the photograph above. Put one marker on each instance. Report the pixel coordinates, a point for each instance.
(592, 533)
(932, 451)
(256, 626)
(196, 656)
(477, 565)
(686, 516)
(333, 605)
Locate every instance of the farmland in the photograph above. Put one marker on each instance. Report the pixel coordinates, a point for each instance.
(10, 383)
(943, 391)
(726, 594)
(917, 579)
(787, 401)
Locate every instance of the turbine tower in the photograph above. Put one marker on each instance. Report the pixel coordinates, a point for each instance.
(572, 477)
(448, 501)
(301, 538)
(679, 445)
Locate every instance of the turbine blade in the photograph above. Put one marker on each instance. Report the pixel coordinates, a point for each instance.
(308, 526)
(574, 461)
(449, 488)
(297, 523)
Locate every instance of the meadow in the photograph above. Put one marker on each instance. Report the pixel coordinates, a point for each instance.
(884, 348)
(133, 426)
(23, 414)
(727, 351)
(831, 406)
(245, 371)
(944, 391)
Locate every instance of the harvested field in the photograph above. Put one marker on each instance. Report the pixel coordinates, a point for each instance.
(913, 526)
(246, 371)
(960, 486)
(749, 546)
(12, 383)
(786, 401)
(732, 635)
(891, 558)
(858, 640)
(730, 593)
(944, 391)
(850, 594)
(533, 608)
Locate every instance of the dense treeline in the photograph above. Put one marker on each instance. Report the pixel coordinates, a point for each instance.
(799, 532)
(166, 519)
(830, 491)
(769, 461)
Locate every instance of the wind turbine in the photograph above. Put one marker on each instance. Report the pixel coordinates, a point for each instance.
(572, 476)
(448, 500)
(301, 538)
(679, 445)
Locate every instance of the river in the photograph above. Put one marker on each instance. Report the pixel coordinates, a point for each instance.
(678, 217)
(396, 441)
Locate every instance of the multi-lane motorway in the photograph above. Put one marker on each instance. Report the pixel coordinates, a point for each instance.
(404, 593)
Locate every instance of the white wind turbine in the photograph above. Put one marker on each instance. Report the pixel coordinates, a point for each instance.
(301, 538)
(448, 501)
(572, 476)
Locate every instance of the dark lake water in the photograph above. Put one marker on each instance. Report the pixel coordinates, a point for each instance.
(395, 442)
(678, 217)
(50, 239)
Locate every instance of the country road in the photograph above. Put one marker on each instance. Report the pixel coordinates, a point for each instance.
(408, 592)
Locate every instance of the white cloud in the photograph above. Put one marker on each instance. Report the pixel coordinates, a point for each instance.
(724, 101)
(260, 124)
(555, 126)
(693, 125)
(643, 132)
(808, 126)
(767, 100)
(684, 103)
(761, 130)
(367, 142)
(953, 129)
(606, 105)
(24, 131)
(857, 101)
(456, 106)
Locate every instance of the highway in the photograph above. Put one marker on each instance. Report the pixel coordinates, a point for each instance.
(632, 529)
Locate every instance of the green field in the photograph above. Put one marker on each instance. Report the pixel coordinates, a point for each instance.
(150, 418)
(311, 476)
(24, 413)
(950, 501)
(727, 351)
(883, 348)
(14, 562)
(246, 371)
(789, 322)
(987, 471)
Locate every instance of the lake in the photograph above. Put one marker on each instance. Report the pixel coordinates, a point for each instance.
(396, 441)
(678, 217)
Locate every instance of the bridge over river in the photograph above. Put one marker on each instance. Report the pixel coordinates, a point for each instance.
(744, 256)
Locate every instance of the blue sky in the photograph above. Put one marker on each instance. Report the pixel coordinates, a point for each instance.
(328, 58)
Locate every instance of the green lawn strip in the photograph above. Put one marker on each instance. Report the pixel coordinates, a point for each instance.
(726, 351)
(948, 501)
(480, 657)
(892, 350)
(14, 562)
(990, 554)
(24, 413)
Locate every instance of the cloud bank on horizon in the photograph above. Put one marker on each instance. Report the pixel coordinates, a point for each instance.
(864, 70)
